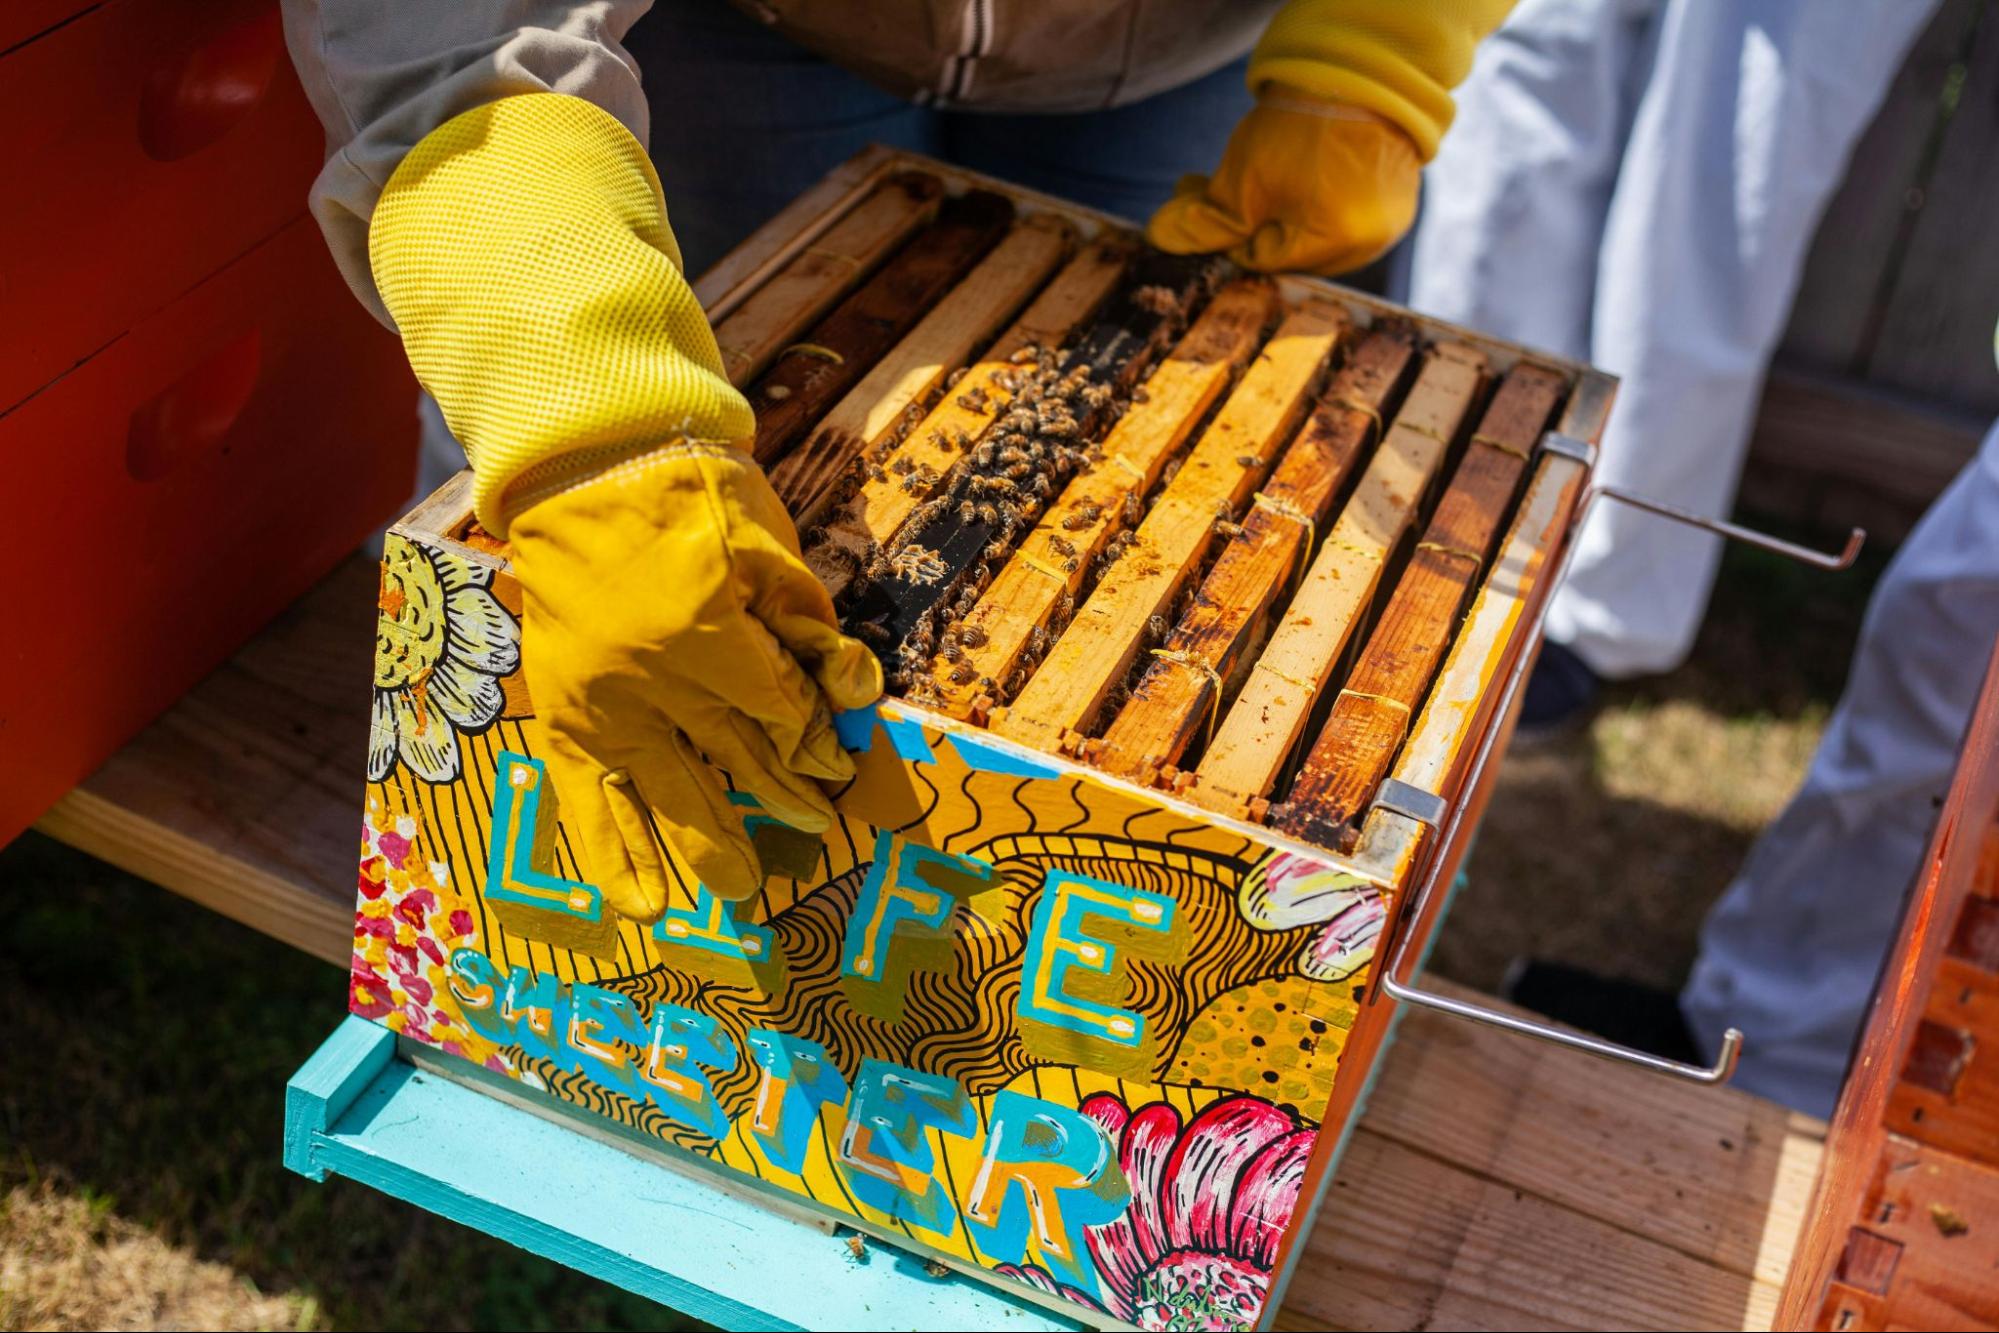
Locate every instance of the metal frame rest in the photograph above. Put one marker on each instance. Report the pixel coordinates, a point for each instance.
(1443, 819)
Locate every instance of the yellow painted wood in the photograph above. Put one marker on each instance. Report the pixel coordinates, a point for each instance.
(1260, 729)
(854, 527)
(1232, 456)
(874, 410)
(1053, 560)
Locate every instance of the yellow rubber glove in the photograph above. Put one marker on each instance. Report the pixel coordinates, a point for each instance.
(524, 252)
(1352, 98)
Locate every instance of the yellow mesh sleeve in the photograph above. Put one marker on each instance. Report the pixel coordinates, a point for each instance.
(524, 253)
(1397, 58)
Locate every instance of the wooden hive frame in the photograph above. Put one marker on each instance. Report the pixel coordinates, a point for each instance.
(1253, 489)
(1381, 846)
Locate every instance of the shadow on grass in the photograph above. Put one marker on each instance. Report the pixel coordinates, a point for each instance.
(1581, 864)
(145, 1044)
(1566, 871)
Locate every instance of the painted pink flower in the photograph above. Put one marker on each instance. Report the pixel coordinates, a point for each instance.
(1209, 1204)
(395, 848)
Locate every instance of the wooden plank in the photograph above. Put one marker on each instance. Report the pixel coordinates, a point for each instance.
(1955, 862)
(1487, 1166)
(1373, 712)
(1049, 568)
(808, 376)
(1214, 482)
(927, 460)
(603, 1209)
(244, 796)
(1464, 689)
(1185, 689)
(1857, 249)
(1712, 1173)
(892, 397)
(1262, 727)
(794, 297)
(1405, 1241)
(944, 555)
(1935, 334)
(1839, 453)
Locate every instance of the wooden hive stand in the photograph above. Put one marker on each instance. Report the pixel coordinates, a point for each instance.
(1091, 945)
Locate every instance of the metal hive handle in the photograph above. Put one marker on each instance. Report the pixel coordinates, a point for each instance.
(1444, 818)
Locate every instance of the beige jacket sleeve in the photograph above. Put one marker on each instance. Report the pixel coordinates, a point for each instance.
(384, 73)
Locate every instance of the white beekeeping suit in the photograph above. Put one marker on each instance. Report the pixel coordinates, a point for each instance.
(1635, 183)
(1791, 952)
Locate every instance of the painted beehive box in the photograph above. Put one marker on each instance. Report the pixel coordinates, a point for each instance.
(1171, 568)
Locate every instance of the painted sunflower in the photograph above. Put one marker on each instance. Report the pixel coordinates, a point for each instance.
(442, 643)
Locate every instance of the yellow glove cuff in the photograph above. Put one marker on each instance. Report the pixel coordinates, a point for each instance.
(523, 250)
(1397, 58)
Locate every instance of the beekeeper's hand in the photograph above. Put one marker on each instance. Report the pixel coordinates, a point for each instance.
(523, 250)
(1305, 186)
(1322, 175)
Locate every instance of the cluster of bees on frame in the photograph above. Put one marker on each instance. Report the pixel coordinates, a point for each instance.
(1007, 477)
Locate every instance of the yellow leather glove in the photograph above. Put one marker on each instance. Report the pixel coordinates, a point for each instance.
(668, 612)
(1353, 97)
(524, 252)
(1304, 186)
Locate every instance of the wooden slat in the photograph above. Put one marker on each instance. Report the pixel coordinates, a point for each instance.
(854, 528)
(1177, 695)
(1466, 684)
(1861, 239)
(893, 396)
(1260, 729)
(808, 376)
(1053, 560)
(1374, 710)
(245, 796)
(899, 609)
(1228, 461)
(807, 287)
(1935, 333)
(1960, 863)
(1496, 1182)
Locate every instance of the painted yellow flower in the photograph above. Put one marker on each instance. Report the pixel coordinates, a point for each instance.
(442, 643)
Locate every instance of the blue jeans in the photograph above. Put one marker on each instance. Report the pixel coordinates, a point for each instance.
(743, 120)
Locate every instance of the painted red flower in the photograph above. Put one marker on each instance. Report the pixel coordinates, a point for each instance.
(369, 993)
(1209, 1204)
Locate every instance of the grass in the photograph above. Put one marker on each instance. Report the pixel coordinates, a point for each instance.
(140, 1184)
(145, 1047)
(1606, 847)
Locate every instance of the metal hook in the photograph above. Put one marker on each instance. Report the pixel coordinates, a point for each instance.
(1444, 818)
(1844, 559)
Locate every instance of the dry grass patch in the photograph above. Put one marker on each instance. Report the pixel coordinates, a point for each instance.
(68, 1261)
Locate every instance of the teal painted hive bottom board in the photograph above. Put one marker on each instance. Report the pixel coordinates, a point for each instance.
(359, 1110)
